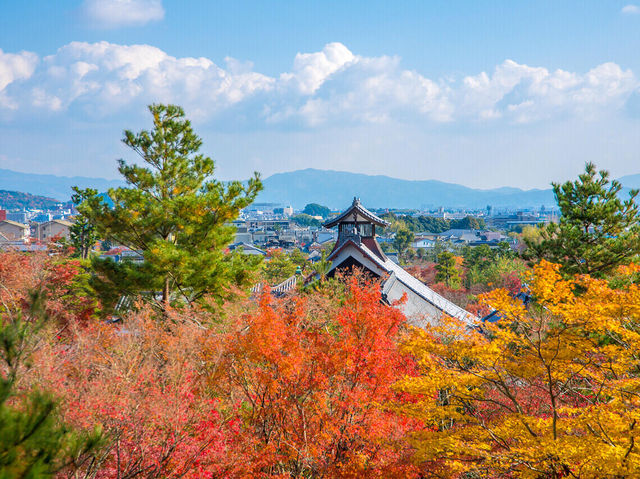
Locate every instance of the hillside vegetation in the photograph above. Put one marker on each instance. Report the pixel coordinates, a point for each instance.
(16, 199)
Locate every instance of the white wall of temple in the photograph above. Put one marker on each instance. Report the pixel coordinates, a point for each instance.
(355, 253)
(416, 309)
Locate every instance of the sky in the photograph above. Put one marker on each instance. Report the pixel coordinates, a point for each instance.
(484, 94)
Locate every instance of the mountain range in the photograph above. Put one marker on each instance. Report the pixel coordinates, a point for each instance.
(334, 189)
(58, 187)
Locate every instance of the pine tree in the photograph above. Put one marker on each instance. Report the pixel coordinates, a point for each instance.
(173, 213)
(447, 272)
(597, 231)
(402, 241)
(82, 232)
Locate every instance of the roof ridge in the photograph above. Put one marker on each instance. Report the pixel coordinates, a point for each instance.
(359, 208)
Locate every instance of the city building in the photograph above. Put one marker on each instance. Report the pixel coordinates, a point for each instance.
(18, 216)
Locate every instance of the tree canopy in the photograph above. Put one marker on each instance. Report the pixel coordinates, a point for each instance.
(303, 219)
(447, 270)
(545, 391)
(598, 231)
(403, 240)
(82, 233)
(174, 213)
(314, 209)
(432, 224)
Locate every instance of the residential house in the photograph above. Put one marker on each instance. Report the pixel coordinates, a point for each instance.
(242, 233)
(424, 241)
(315, 246)
(12, 231)
(122, 253)
(18, 216)
(247, 249)
(473, 237)
(54, 229)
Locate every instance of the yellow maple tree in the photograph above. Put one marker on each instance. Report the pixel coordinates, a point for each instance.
(548, 390)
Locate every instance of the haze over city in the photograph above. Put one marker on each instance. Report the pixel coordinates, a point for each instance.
(484, 95)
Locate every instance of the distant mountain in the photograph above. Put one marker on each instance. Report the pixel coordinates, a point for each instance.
(630, 181)
(18, 200)
(336, 189)
(58, 187)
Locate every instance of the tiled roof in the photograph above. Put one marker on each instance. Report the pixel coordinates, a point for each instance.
(398, 273)
(15, 223)
(359, 209)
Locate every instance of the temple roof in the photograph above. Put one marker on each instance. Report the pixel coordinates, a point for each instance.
(397, 273)
(359, 213)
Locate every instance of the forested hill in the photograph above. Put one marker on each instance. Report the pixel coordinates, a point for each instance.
(15, 199)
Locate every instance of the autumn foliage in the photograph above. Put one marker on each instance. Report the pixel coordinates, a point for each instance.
(332, 382)
(312, 388)
(548, 391)
(61, 281)
(293, 387)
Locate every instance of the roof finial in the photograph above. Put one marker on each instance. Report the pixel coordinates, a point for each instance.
(356, 201)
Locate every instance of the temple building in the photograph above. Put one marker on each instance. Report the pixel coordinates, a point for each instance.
(357, 247)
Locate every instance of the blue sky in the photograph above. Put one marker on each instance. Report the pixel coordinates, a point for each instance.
(485, 94)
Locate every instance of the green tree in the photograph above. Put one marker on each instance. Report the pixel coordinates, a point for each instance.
(322, 266)
(299, 258)
(174, 213)
(278, 267)
(447, 271)
(314, 209)
(531, 234)
(468, 222)
(386, 247)
(439, 247)
(304, 219)
(504, 250)
(402, 241)
(477, 261)
(597, 231)
(82, 233)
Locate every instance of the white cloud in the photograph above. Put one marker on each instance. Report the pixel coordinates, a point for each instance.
(523, 94)
(311, 70)
(14, 66)
(330, 87)
(122, 13)
(104, 78)
(631, 9)
(375, 90)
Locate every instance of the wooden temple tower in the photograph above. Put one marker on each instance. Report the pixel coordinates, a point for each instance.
(357, 247)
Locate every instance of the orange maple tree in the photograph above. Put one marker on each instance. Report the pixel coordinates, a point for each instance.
(312, 388)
